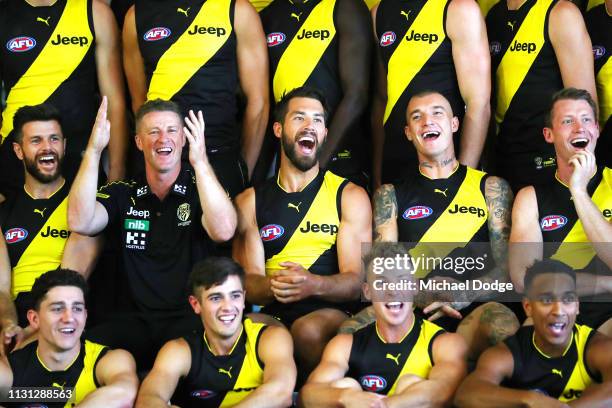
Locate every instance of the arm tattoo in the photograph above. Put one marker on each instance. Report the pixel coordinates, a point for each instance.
(500, 322)
(385, 207)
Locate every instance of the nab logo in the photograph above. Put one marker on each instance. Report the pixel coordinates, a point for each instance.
(495, 48)
(553, 222)
(157, 33)
(517, 46)
(275, 39)
(417, 212)
(387, 38)
(598, 51)
(372, 383)
(430, 38)
(15, 235)
(270, 232)
(203, 394)
(20, 44)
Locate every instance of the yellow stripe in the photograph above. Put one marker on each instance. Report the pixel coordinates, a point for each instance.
(579, 379)
(515, 65)
(418, 362)
(576, 250)
(306, 248)
(43, 254)
(410, 56)
(604, 92)
(371, 3)
(302, 55)
(85, 383)
(447, 239)
(486, 6)
(593, 3)
(53, 66)
(191, 52)
(260, 4)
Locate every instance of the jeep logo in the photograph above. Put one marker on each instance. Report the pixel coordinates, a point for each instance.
(322, 34)
(138, 213)
(80, 41)
(54, 233)
(218, 31)
(325, 228)
(517, 46)
(465, 210)
(430, 38)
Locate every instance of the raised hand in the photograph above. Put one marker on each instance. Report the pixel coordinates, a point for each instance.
(100, 134)
(194, 131)
(583, 163)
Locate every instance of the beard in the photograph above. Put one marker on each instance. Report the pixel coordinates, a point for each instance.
(303, 163)
(31, 166)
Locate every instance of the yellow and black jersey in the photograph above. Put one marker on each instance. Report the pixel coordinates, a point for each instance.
(430, 211)
(29, 371)
(378, 365)
(564, 378)
(35, 231)
(526, 74)
(486, 5)
(189, 54)
(222, 381)
(417, 55)
(48, 56)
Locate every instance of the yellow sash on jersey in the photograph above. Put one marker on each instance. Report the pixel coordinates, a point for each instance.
(86, 383)
(251, 373)
(447, 239)
(579, 379)
(604, 92)
(576, 250)
(54, 64)
(302, 55)
(593, 3)
(260, 4)
(486, 6)
(418, 362)
(306, 248)
(43, 254)
(191, 52)
(515, 65)
(410, 56)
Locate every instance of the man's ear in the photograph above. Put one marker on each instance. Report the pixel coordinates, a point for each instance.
(18, 151)
(277, 128)
(33, 318)
(195, 304)
(455, 124)
(407, 132)
(138, 142)
(526, 306)
(548, 135)
(365, 287)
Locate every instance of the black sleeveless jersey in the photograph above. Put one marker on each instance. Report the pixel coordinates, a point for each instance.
(525, 74)
(564, 378)
(189, 53)
(417, 55)
(450, 213)
(378, 365)
(222, 381)
(47, 55)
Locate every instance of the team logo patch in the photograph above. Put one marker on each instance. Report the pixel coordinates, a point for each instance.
(387, 38)
(142, 191)
(20, 44)
(495, 47)
(135, 240)
(203, 394)
(275, 39)
(598, 51)
(270, 232)
(15, 235)
(178, 188)
(553, 222)
(157, 33)
(183, 211)
(417, 212)
(372, 383)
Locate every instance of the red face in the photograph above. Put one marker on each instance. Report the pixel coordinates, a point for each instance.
(160, 137)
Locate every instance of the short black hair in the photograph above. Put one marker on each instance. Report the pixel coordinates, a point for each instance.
(281, 108)
(571, 94)
(157, 105)
(57, 277)
(546, 266)
(35, 113)
(213, 271)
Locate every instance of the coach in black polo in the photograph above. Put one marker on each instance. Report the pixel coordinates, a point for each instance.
(164, 220)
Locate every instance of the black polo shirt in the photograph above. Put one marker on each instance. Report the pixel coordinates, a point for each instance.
(159, 240)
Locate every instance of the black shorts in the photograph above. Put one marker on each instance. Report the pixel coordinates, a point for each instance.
(287, 314)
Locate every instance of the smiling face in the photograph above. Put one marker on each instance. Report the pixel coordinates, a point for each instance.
(161, 139)
(392, 307)
(42, 150)
(220, 308)
(60, 319)
(302, 132)
(430, 125)
(574, 128)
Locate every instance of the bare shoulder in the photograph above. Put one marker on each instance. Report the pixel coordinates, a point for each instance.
(464, 8)
(564, 11)
(449, 346)
(246, 199)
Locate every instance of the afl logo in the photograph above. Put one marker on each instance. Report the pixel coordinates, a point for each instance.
(553, 222)
(203, 394)
(387, 38)
(275, 39)
(372, 383)
(598, 51)
(270, 232)
(494, 48)
(20, 44)
(157, 33)
(417, 212)
(15, 235)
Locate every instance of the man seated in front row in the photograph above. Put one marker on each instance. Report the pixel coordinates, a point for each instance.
(100, 377)
(400, 359)
(235, 363)
(553, 363)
